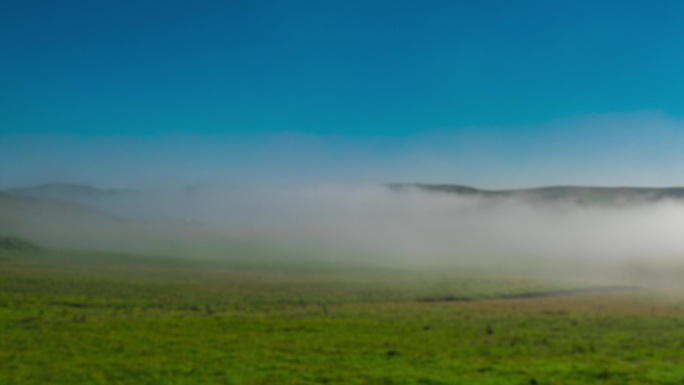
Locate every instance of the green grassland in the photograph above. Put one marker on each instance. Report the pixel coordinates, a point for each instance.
(77, 317)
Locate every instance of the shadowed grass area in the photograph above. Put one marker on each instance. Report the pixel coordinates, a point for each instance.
(97, 318)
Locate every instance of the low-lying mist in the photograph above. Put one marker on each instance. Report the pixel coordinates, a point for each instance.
(410, 227)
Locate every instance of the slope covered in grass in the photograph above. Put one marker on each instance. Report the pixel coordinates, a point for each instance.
(16, 244)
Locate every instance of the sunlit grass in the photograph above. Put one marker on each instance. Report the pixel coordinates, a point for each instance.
(98, 318)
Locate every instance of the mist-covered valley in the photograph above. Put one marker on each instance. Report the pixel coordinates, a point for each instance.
(616, 233)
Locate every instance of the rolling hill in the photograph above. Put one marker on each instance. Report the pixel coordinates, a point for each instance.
(559, 194)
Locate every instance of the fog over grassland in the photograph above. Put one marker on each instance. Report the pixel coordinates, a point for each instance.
(581, 229)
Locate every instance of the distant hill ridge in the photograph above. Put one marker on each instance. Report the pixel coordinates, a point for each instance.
(52, 189)
(576, 194)
(81, 194)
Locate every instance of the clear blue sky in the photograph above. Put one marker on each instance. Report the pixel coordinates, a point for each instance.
(492, 93)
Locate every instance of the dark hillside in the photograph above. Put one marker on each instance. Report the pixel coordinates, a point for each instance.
(16, 244)
(571, 194)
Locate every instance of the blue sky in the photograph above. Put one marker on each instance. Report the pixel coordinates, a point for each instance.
(491, 93)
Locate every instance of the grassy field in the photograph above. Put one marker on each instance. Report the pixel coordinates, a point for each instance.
(102, 318)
